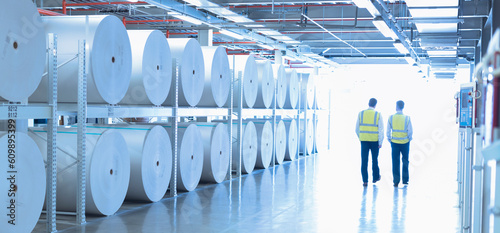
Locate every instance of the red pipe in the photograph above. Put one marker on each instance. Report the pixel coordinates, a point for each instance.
(124, 22)
(64, 6)
(301, 32)
(50, 13)
(167, 34)
(153, 21)
(279, 6)
(236, 42)
(104, 3)
(77, 10)
(298, 20)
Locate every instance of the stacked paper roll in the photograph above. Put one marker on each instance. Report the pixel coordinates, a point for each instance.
(189, 156)
(265, 92)
(22, 53)
(22, 181)
(265, 139)
(249, 145)
(150, 152)
(217, 77)
(281, 85)
(216, 151)
(247, 66)
(307, 91)
(151, 68)
(291, 144)
(281, 142)
(107, 168)
(292, 96)
(108, 58)
(307, 136)
(191, 70)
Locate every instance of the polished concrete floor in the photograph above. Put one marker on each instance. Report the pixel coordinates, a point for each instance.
(321, 193)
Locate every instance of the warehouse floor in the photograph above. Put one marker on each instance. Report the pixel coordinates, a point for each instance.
(321, 193)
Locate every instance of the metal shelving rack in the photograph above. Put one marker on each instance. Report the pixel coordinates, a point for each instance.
(24, 111)
(84, 111)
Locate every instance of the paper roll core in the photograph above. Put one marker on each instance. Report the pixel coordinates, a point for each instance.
(111, 172)
(15, 45)
(113, 59)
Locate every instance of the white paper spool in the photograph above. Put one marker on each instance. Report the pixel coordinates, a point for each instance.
(107, 167)
(291, 148)
(189, 156)
(292, 96)
(247, 65)
(191, 71)
(309, 136)
(281, 85)
(151, 68)
(108, 58)
(265, 139)
(281, 142)
(22, 49)
(23, 184)
(217, 77)
(265, 93)
(150, 152)
(249, 148)
(307, 91)
(216, 151)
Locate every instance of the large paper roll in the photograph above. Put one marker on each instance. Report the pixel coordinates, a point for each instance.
(249, 144)
(281, 85)
(22, 181)
(108, 60)
(22, 49)
(265, 93)
(189, 156)
(107, 168)
(247, 65)
(216, 151)
(281, 142)
(151, 68)
(150, 152)
(308, 134)
(265, 139)
(291, 146)
(217, 77)
(292, 97)
(191, 71)
(307, 91)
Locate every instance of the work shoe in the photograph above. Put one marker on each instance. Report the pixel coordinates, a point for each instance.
(365, 184)
(375, 181)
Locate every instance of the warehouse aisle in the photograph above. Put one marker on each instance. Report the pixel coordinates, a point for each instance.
(316, 194)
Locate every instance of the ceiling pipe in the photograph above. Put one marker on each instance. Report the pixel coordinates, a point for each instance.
(49, 13)
(64, 5)
(286, 6)
(153, 21)
(336, 37)
(317, 20)
(105, 3)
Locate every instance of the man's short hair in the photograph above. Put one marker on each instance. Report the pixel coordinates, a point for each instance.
(400, 104)
(372, 103)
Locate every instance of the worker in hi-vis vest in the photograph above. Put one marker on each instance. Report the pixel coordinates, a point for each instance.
(399, 133)
(370, 131)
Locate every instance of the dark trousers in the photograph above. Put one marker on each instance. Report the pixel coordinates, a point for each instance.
(397, 150)
(365, 149)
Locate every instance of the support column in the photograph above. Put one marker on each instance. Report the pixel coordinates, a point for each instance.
(206, 37)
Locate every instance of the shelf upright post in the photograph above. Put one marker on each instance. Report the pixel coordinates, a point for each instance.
(305, 120)
(239, 145)
(273, 158)
(175, 124)
(297, 118)
(230, 126)
(82, 130)
(51, 135)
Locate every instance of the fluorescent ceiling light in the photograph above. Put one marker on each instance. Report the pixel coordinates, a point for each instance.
(291, 42)
(232, 34)
(383, 28)
(368, 5)
(186, 18)
(400, 47)
(442, 53)
(410, 60)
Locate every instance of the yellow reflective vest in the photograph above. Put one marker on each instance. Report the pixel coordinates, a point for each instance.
(399, 127)
(368, 125)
